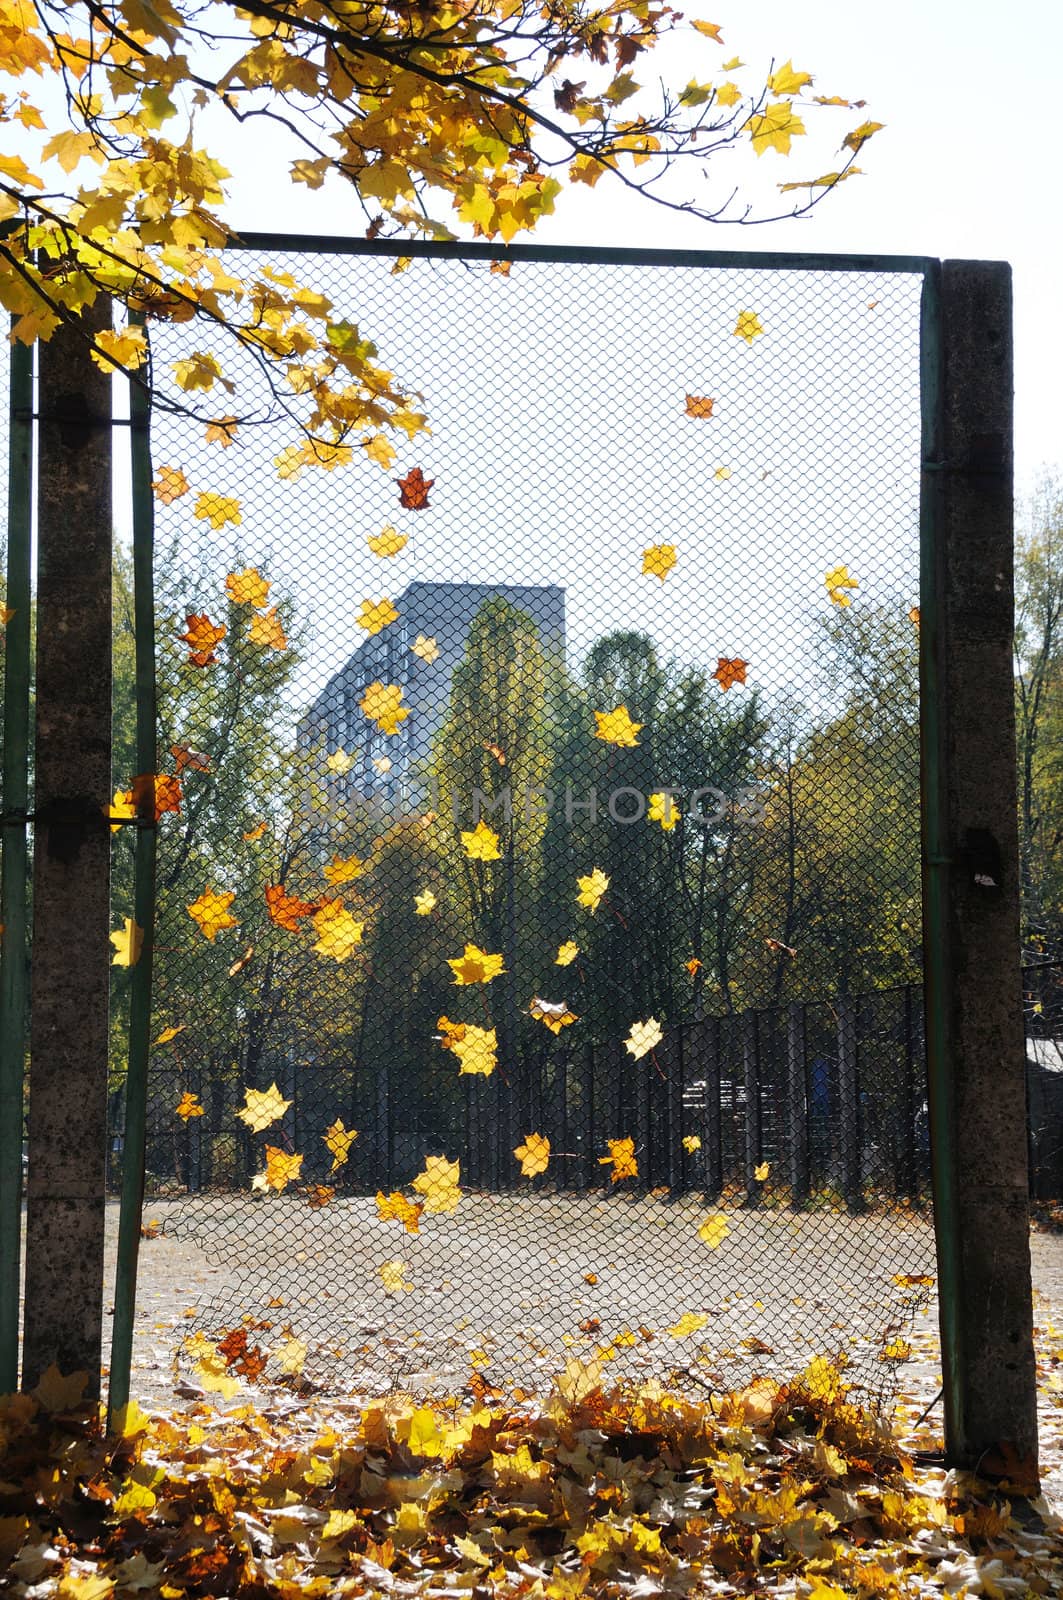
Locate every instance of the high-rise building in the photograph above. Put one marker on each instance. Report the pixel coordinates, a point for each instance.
(417, 653)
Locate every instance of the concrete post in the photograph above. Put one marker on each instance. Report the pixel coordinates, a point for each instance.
(974, 979)
(71, 919)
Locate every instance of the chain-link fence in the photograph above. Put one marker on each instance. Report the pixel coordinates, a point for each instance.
(538, 933)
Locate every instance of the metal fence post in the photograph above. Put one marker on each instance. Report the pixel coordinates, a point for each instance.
(971, 875)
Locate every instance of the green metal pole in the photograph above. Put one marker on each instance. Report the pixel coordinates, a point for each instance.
(136, 1095)
(13, 881)
(937, 967)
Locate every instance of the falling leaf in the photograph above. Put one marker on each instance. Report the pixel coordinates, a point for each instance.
(861, 135)
(622, 1159)
(413, 490)
(266, 630)
(481, 843)
(554, 1013)
(168, 1034)
(787, 81)
(439, 1184)
(342, 869)
(533, 1154)
(664, 810)
(188, 1106)
(591, 888)
(169, 484)
(221, 431)
(121, 806)
(318, 1195)
(616, 727)
(827, 180)
(475, 966)
(837, 580)
(691, 1143)
(694, 966)
(566, 953)
(426, 648)
(699, 405)
(711, 30)
(913, 616)
(281, 1168)
(658, 560)
(382, 704)
(396, 1206)
(338, 932)
(375, 615)
(339, 761)
(476, 1050)
(241, 961)
(393, 1274)
(338, 1140)
(780, 949)
(284, 909)
(730, 671)
(728, 94)
(128, 940)
(748, 326)
(424, 903)
(262, 1107)
(194, 760)
(201, 637)
(256, 832)
(211, 912)
(388, 542)
(217, 509)
(247, 588)
(644, 1037)
(381, 450)
(157, 792)
(690, 1322)
(6, 613)
(760, 1173)
(496, 751)
(714, 1230)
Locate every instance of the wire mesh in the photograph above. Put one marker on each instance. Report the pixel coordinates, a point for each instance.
(538, 940)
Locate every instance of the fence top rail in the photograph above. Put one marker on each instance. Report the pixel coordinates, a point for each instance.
(606, 255)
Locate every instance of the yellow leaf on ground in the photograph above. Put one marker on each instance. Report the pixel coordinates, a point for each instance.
(533, 1154)
(291, 1357)
(481, 843)
(247, 588)
(281, 1168)
(439, 1184)
(262, 1106)
(616, 727)
(690, 1322)
(339, 1523)
(714, 1230)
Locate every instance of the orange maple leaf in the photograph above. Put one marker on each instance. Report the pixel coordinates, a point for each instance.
(621, 1158)
(159, 790)
(248, 588)
(699, 405)
(281, 1168)
(211, 911)
(221, 431)
(189, 758)
(413, 489)
(730, 671)
(201, 637)
(396, 1205)
(285, 909)
(267, 631)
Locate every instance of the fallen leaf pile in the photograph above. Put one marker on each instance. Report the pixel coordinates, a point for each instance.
(788, 1489)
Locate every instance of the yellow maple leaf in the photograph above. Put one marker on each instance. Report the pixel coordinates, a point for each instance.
(397, 1206)
(56, 1392)
(393, 1275)
(168, 1034)
(711, 30)
(339, 761)
(644, 1036)
(261, 1107)
(773, 128)
(476, 1050)
(128, 940)
(664, 810)
(554, 1013)
(566, 953)
(658, 561)
(338, 932)
(426, 648)
(591, 888)
(120, 349)
(722, 474)
(281, 1168)
(760, 1173)
(621, 1158)
(616, 727)
(266, 629)
(481, 843)
(728, 94)
(382, 763)
(211, 912)
(439, 1184)
(291, 1357)
(248, 588)
(217, 509)
(827, 180)
(861, 135)
(188, 1106)
(342, 869)
(339, 1139)
(788, 81)
(221, 431)
(475, 966)
(838, 580)
(380, 449)
(388, 542)
(690, 1322)
(376, 615)
(692, 1143)
(197, 371)
(169, 484)
(424, 903)
(714, 1230)
(382, 704)
(123, 805)
(748, 326)
(533, 1154)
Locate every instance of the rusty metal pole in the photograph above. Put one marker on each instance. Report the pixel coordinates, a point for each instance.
(71, 952)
